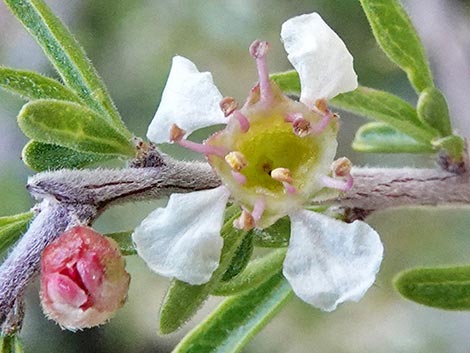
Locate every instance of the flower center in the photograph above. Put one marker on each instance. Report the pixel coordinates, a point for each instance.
(271, 144)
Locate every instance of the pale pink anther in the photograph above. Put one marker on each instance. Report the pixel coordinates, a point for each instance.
(301, 127)
(239, 177)
(259, 50)
(242, 120)
(343, 184)
(177, 134)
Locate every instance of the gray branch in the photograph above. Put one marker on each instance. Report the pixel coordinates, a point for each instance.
(71, 197)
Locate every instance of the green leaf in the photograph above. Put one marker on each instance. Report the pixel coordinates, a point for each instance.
(73, 126)
(387, 108)
(241, 258)
(124, 240)
(432, 110)
(255, 273)
(67, 56)
(182, 299)
(382, 138)
(31, 85)
(234, 322)
(43, 156)
(288, 82)
(396, 35)
(10, 344)
(275, 236)
(444, 288)
(11, 228)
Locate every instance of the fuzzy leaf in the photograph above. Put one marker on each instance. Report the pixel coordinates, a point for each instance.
(73, 126)
(241, 258)
(11, 228)
(43, 156)
(67, 56)
(183, 300)
(255, 273)
(237, 319)
(124, 240)
(396, 35)
(275, 236)
(382, 138)
(288, 82)
(444, 288)
(31, 85)
(10, 344)
(387, 108)
(432, 110)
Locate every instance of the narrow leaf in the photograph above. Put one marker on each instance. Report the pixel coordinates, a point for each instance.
(255, 273)
(124, 240)
(432, 110)
(396, 35)
(67, 56)
(387, 108)
(382, 138)
(241, 258)
(183, 300)
(31, 85)
(234, 322)
(10, 344)
(73, 126)
(453, 146)
(275, 236)
(444, 288)
(43, 156)
(11, 228)
(288, 82)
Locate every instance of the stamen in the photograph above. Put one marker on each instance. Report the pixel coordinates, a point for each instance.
(300, 126)
(341, 167)
(284, 176)
(340, 184)
(177, 134)
(258, 209)
(243, 120)
(236, 160)
(239, 177)
(259, 50)
(228, 105)
(321, 108)
(245, 221)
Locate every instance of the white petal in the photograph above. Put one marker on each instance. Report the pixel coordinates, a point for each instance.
(323, 62)
(190, 100)
(183, 239)
(329, 261)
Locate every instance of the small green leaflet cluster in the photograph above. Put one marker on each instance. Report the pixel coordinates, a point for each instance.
(70, 125)
(400, 127)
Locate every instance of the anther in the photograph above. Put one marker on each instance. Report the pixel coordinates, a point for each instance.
(245, 222)
(342, 178)
(258, 50)
(236, 160)
(177, 134)
(301, 127)
(228, 105)
(321, 108)
(284, 176)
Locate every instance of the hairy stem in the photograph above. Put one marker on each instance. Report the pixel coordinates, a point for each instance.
(72, 197)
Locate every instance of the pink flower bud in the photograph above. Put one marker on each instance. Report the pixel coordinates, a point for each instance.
(83, 279)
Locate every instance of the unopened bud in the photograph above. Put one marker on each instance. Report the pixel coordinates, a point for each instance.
(83, 279)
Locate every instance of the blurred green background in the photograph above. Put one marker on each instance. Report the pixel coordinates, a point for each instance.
(131, 42)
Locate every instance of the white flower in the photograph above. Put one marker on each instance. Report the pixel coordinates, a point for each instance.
(274, 156)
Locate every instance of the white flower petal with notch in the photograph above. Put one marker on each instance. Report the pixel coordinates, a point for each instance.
(183, 239)
(321, 58)
(190, 100)
(328, 261)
